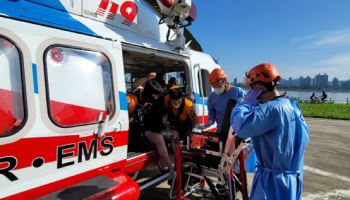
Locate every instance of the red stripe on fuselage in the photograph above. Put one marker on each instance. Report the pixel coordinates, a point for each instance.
(27, 149)
(64, 183)
(65, 114)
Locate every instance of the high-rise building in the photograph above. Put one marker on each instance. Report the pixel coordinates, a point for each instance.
(335, 83)
(308, 81)
(300, 81)
(304, 82)
(235, 81)
(321, 81)
(284, 83)
(346, 85)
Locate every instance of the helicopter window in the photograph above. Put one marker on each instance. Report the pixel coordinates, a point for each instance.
(204, 87)
(79, 86)
(12, 110)
(177, 78)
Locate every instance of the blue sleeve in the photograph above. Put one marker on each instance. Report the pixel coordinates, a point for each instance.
(211, 110)
(248, 121)
(240, 93)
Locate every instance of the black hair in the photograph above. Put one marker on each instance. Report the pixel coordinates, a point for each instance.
(271, 85)
(152, 87)
(172, 80)
(175, 93)
(159, 78)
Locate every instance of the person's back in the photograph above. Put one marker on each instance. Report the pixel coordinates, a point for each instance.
(279, 143)
(279, 135)
(153, 107)
(172, 83)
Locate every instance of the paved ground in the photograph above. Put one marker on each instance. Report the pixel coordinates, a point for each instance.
(327, 160)
(327, 163)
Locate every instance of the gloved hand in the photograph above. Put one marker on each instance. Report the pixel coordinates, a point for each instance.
(251, 98)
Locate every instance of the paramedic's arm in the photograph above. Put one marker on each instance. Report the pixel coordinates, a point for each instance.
(248, 121)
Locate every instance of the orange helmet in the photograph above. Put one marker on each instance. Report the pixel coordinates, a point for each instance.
(265, 73)
(132, 102)
(217, 75)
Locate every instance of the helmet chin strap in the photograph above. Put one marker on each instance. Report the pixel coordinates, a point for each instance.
(271, 86)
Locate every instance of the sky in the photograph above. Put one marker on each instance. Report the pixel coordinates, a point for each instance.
(300, 37)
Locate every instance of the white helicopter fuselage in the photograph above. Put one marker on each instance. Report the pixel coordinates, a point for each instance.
(63, 89)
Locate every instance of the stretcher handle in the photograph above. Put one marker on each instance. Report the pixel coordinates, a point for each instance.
(210, 134)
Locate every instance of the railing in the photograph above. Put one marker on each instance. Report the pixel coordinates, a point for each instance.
(329, 100)
(346, 101)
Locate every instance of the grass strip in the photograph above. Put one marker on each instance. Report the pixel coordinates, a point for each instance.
(326, 110)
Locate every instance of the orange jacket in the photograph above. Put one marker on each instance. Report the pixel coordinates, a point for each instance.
(188, 111)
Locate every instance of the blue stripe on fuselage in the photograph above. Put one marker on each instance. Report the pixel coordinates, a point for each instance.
(53, 16)
(35, 79)
(122, 100)
(198, 100)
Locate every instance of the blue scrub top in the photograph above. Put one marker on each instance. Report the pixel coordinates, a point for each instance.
(217, 104)
(279, 135)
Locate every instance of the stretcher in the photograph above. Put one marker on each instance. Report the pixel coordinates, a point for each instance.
(215, 167)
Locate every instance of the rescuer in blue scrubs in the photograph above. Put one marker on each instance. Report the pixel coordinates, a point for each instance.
(218, 99)
(279, 135)
(217, 103)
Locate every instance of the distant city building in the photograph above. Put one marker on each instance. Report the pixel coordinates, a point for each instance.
(235, 81)
(313, 82)
(300, 81)
(335, 83)
(321, 81)
(304, 82)
(284, 82)
(346, 85)
(308, 81)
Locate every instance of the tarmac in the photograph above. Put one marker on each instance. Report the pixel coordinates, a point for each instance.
(326, 170)
(327, 160)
